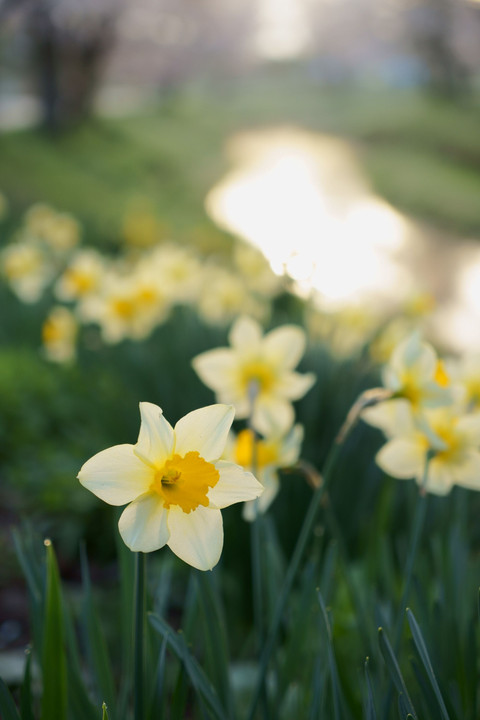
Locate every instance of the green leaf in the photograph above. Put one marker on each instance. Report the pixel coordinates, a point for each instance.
(54, 666)
(157, 702)
(336, 694)
(215, 636)
(370, 704)
(197, 677)
(422, 651)
(104, 712)
(396, 675)
(99, 661)
(7, 706)
(26, 699)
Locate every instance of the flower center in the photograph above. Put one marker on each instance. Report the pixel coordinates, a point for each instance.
(441, 377)
(248, 450)
(185, 481)
(257, 374)
(124, 308)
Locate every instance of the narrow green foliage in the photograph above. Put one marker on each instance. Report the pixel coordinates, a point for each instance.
(98, 659)
(26, 698)
(157, 702)
(336, 691)
(422, 651)
(370, 712)
(195, 673)
(79, 702)
(394, 670)
(215, 637)
(104, 712)
(54, 667)
(7, 705)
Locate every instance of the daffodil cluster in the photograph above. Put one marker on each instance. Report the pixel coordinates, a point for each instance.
(257, 375)
(433, 414)
(128, 296)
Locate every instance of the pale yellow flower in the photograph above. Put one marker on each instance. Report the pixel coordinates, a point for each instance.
(452, 439)
(256, 374)
(59, 334)
(127, 306)
(178, 271)
(27, 269)
(82, 277)
(265, 457)
(256, 270)
(175, 483)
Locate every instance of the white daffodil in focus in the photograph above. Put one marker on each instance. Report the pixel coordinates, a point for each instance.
(452, 439)
(175, 483)
(265, 456)
(256, 373)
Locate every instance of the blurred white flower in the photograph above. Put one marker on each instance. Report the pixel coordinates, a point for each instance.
(59, 335)
(256, 374)
(27, 269)
(265, 457)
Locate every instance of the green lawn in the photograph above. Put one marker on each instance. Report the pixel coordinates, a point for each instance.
(422, 154)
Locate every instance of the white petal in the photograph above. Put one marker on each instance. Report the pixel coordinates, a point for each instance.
(234, 485)
(272, 412)
(285, 346)
(245, 333)
(469, 427)
(271, 486)
(402, 458)
(467, 474)
(394, 417)
(293, 385)
(156, 440)
(439, 478)
(291, 446)
(216, 368)
(116, 475)
(204, 430)
(196, 537)
(143, 524)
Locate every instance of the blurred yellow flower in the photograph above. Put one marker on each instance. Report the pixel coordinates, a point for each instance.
(451, 437)
(265, 456)
(224, 296)
(175, 483)
(59, 334)
(256, 373)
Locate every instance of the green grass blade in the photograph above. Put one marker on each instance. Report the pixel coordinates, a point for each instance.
(336, 693)
(104, 712)
(423, 652)
(7, 706)
(195, 673)
(370, 712)
(158, 702)
(216, 637)
(26, 698)
(54, 666)
(392, 665)
(99, 660)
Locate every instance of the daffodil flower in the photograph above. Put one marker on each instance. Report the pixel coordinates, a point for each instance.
(415, 373)
(256, 373)
(265, 456)
(175, 483)
(450, 438)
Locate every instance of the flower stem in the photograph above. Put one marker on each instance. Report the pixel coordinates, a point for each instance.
(418, 524)
(303, 537)
(139, 632)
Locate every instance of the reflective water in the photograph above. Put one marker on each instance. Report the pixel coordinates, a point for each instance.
(302, 199)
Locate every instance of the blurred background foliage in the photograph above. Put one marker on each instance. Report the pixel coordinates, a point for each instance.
(118, 113)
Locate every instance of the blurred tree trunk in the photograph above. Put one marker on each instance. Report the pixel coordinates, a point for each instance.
(68, 54)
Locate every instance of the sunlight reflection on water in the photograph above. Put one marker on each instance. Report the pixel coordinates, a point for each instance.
(300, 197)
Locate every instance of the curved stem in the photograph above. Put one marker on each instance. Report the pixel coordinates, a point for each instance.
(139, 632)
